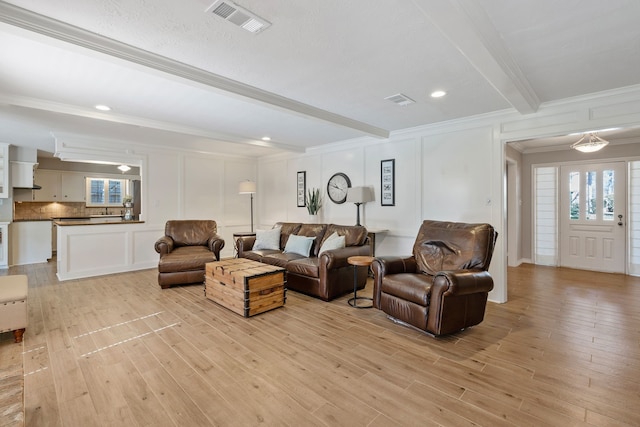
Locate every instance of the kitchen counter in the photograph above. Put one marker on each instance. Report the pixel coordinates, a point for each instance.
(102, 220)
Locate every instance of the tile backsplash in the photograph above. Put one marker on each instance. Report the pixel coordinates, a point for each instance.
(46, 210)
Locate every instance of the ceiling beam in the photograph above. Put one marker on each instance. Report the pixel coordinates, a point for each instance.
(31, 21)
(38, 104)
(466, 25)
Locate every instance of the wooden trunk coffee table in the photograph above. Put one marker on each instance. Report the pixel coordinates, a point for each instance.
(244, 286)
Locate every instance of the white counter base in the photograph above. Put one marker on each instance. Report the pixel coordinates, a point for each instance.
(30, 242)
(95, 250)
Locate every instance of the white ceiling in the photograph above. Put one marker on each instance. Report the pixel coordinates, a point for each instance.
(177, 76)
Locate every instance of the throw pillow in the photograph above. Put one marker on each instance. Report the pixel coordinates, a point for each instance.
(334, 241)
(267, 239)
(300, 245)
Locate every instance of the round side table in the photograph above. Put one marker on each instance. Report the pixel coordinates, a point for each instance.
(359, 261)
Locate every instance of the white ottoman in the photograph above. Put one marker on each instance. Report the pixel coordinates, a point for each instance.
(13, 305)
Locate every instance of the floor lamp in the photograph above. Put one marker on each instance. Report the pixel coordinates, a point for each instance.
(248, 187)
(358, 196)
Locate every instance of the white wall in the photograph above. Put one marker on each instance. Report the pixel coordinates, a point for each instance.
(181, 185)
(450, 171)
(513, 203)
(444, 176)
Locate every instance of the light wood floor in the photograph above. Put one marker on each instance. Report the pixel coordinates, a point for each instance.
(119, 351)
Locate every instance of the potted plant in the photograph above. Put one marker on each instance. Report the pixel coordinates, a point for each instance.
(127, 201)
(314, 202)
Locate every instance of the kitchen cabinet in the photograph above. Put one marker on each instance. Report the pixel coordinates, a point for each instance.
(4, 171)
(4, 246)
(54, 239)
(73, 187)
(50, 183)
(22, 174)
(59, 186)
(30, 242)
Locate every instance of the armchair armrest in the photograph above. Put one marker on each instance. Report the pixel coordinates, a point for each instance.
(337, 258)
(215, 245)
(457, 300)
(394, 265)
(460, 282)
(164, 245)
(382, 266)
(244, 244)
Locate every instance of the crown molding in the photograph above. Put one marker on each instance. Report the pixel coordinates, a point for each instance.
(57, 107)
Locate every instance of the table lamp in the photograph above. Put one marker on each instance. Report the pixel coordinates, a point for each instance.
(358, 196)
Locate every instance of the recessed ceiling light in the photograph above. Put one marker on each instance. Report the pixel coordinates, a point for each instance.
(103, 107)
(438, 94)
(266, 138)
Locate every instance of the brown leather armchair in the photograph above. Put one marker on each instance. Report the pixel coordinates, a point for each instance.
(443, 287)
(185, 249)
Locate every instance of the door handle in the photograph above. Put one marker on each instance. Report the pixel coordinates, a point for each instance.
(620, 220)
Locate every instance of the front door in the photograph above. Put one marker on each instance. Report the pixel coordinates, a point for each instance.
(592, 222)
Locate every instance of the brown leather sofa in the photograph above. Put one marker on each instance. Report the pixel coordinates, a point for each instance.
(325, 276)
(185, 249)
(443, 287)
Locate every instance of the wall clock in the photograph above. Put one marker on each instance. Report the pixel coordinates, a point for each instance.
(337, 187)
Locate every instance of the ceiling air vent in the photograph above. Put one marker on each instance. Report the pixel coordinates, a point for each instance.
(400, 99)
(233, 13)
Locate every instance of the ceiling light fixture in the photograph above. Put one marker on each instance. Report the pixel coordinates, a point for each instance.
(438, 94)
(589, 143)
(102, 107)
(124, 168)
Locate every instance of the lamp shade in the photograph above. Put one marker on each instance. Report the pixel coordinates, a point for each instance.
(359, 195)
(247, 187)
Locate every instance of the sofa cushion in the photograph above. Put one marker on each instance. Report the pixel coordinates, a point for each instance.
(453, 246)
(280, 259)
(259, 254)
(408, 287)
(354, 235)
(300, 245)
(267, 239)
(313, 230)
(288, 228)
(190, 232)
(332, 242)
(304, 267)
(186, 258)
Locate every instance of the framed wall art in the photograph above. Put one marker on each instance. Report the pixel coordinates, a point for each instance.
(387, 182)
(301, 189)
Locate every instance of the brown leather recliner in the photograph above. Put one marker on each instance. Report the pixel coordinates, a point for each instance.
(185, 249)
(443, 287)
